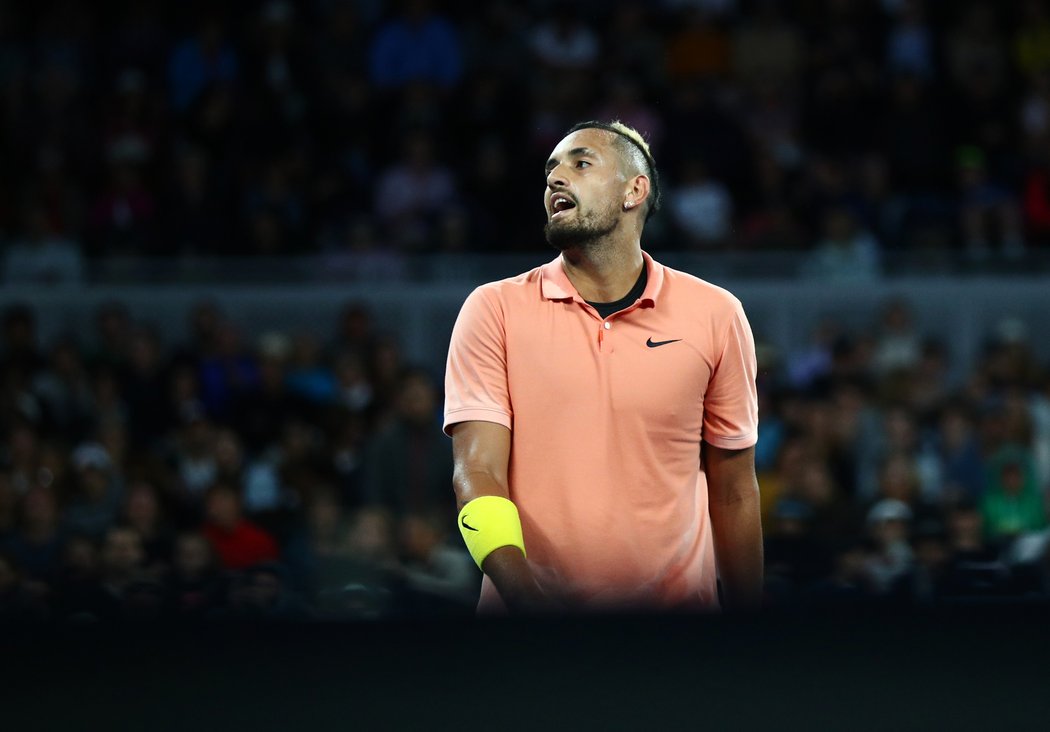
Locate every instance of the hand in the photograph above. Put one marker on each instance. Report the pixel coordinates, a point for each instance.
(532, 600)
(514, 579)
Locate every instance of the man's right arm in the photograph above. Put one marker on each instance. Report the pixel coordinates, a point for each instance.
(481, 455)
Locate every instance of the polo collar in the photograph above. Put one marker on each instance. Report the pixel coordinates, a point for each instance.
(555, 284)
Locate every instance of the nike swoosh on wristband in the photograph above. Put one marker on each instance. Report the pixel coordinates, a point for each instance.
(654, 344)
(463, 521)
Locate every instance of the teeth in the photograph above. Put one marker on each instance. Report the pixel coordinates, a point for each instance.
(562, 203)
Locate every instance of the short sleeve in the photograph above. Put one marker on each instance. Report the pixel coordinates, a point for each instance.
(476, 372)
(731, 401)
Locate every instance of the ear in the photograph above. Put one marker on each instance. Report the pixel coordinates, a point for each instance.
(636, 193)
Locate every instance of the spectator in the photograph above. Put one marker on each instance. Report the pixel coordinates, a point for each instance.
(324, 547)
(65, 393)
(23, 457)
(909, 48)
(274, 209)
(1012, 503)
(974, 569)
(413, 192)
(348, 448)
(17, 602)
(565, 42)
(355, 331)
(962, 465)
(767, 50)
(416, 45)
(132, 116)
(144, 513)
(122, 218)
(702, 207)
(925, 583)
(440, 577)
(699, 49)
(262, 593)
(975, 45)
(261, 409)
(195, 587)
(308, 376)
(145, 388)
(204, 59)
(1031, 42)
(78, 592)
(122, 569)
(793, 555)
(19, 348)
(194, 207)
(280, 72)
(354, 391)
(987, 212)
(193, 457)
(899, 344)
(110, 350)
(237, 542)
(846, 252)
(99, 493)
(635, 34)
(892, 557)
(408, 465)
(36, 544)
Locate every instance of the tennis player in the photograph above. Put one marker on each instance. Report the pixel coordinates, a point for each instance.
(603, 411)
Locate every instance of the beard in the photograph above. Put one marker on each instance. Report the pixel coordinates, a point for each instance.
(583, 231)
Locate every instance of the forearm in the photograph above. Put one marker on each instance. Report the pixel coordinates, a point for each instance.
(737, 529)
(736, 524)
(506, 566)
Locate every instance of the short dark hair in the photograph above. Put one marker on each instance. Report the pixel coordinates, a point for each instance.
(629, 141)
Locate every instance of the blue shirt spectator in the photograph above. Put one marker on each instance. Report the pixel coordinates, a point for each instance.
(418, 46)
(199, 62)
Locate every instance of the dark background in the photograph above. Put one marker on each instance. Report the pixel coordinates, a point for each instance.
(972, 669)
(234, 237)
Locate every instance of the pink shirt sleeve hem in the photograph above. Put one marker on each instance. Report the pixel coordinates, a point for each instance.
(739, 442)
(476, 414)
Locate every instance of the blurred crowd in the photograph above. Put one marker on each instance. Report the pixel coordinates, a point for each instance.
(293, 478)
(886, 477)
(298, 477)
(848, 130)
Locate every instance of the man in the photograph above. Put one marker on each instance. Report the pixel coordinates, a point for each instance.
(603, 411)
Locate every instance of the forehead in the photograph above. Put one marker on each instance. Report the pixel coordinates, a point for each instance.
(597, 140)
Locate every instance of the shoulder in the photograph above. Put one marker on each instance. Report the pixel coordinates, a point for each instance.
(692, 291)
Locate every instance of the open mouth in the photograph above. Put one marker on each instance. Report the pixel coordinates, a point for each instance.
(560, 204)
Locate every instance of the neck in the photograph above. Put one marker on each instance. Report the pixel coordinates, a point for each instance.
(604, 271)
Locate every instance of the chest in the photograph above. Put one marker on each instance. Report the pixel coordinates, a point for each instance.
(641, 364)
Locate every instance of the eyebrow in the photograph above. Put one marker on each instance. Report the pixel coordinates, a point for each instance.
(576, 152)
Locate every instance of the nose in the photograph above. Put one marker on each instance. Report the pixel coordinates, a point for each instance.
(555, 179)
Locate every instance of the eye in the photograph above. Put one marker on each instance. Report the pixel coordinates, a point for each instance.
(582, 163)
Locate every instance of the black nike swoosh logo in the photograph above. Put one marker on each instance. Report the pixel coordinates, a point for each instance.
(466, 525)
(654, 344)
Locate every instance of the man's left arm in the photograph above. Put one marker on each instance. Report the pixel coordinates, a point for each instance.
(733, 502)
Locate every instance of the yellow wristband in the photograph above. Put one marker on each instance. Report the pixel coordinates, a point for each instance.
(488, 523)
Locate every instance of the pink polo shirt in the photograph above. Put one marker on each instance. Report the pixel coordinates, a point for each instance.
(606, 419)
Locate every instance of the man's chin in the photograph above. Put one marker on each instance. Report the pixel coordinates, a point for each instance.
(562, 236)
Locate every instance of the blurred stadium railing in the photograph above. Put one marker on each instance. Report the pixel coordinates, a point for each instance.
(418, 298)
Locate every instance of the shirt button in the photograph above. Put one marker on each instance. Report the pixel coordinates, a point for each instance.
(608, 325)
